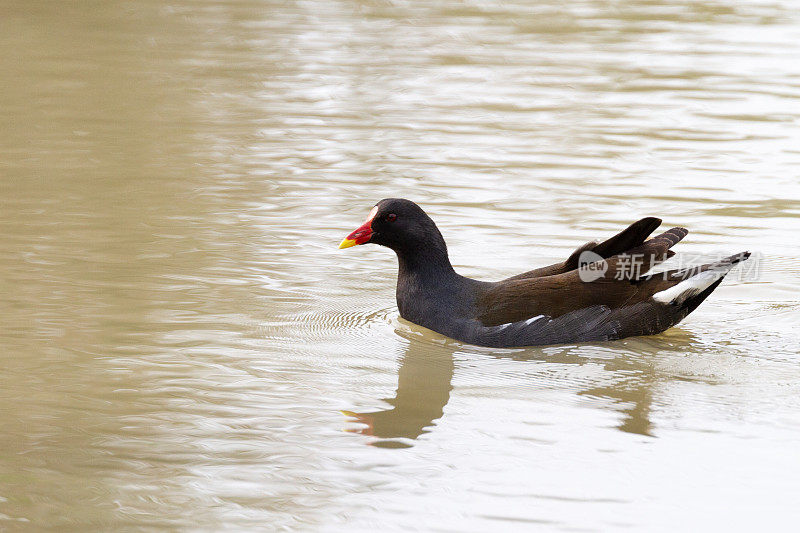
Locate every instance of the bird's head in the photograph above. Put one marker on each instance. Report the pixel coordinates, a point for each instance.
(398, 224)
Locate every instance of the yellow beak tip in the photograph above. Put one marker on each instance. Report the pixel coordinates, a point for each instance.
(347, 243)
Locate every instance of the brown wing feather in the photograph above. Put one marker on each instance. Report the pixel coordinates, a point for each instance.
(632, 236)
(518, 299)
(639, 260)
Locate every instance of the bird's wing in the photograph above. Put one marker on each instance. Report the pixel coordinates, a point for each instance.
(632, 236)
(618, 283)
(648, 305)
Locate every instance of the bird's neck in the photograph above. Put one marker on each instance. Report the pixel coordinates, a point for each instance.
(427, 284)
(428, 264)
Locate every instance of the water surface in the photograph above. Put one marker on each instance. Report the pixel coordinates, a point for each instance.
(184, 348)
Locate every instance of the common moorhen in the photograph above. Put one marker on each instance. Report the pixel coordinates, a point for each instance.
(601, 292)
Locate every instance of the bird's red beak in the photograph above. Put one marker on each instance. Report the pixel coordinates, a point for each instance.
(362, 234)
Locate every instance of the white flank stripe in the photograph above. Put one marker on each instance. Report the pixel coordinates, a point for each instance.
(689, 287)
(533, 319)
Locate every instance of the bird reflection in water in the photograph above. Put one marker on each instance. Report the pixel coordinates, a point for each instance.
(634, 378)
(628, 381)
(423, 390)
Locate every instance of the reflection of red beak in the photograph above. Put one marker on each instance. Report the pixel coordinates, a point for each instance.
(364, 418)
(362, 234)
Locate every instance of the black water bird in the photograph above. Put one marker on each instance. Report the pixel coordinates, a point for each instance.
(594, 295)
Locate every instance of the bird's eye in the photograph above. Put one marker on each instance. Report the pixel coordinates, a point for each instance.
(391, 217)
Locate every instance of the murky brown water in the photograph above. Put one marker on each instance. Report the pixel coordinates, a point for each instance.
(180, 334)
